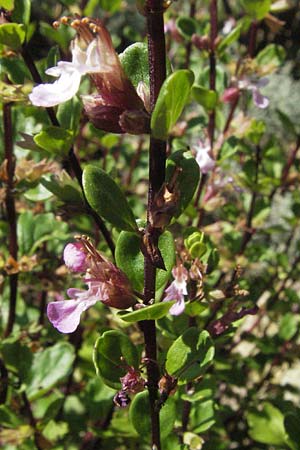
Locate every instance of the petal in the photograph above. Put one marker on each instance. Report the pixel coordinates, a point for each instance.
(65, 315)
(60, 91)
(205, 162)
(177, 308)
(260, 100)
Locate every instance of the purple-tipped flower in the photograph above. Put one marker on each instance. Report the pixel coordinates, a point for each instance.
(105, 282)
(260, 100)
(177, 290)
(93, 54)
(203, 157)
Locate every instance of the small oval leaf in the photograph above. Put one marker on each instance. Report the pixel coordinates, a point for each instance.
(112, 351)
(139, 414)
(151, 312)
(55, 140)
(190, 355)
(130, 259)
(107, 199)
(172, 98)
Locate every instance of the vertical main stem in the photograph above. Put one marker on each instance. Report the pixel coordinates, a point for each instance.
(213, 9)
(157, 161)
(11, 213)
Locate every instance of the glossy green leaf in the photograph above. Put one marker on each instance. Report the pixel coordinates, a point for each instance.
(288, 326)
(186, 26)
(8, 418)
(187, 179)
(271, 56)
(292, 428)
(65, 188)
(110, 5)
(172, 98)
(139, 414)
(112, 352)
(48, 368)
(267, 425)
(134, 61)
(202, 416)
(12, 35)
(7, 4)
(107, 199)
(69, 113)
(21, 12)
(190, 355)
(151, 312)
(130, 259)
(257, 9)
(55, 140)
(205, 97)
(18, 357)
(232, 37)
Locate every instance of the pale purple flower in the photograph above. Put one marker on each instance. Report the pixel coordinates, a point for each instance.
(203, 157)
(106, 283)
(260, 100)
(65, 314)
(177, 290)
(75, 257)
(69, 75)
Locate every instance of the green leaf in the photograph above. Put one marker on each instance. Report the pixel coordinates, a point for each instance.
(267, 425)
(55, 140)
(110, 5)
(272, 56)
(205, 97)
(8, 418)
(186, 26)
(107, 199)
(190, 355)
(21, 13)
(229, 39)
(112, 352)
(288, 326)
(69, 113)
(134, 61)
(7, 4)
(48, 368)
(257, 9)
(152, 312)
(172, 98)
(202, 416)
(292, 428)
(187, 179)
(18, 357)
(12, 35)
(130, 259)
(139, 414)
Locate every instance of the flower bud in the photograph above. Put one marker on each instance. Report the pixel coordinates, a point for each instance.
(230, 95)
(75, 257)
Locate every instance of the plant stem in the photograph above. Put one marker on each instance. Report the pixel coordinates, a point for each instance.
(213, 9)
(189, 44)
(73, 160)
(248, 233)
(157, 162)
(11, 213)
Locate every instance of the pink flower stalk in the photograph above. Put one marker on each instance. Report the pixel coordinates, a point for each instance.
(177, 290)
(203, 156)
(93, 54)
(106, 283)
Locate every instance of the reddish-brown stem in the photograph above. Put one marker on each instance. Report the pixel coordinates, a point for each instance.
(213, 9)
(189, 44)
(252, 39)
(157, 161)
(248, 233)
(11, 213)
